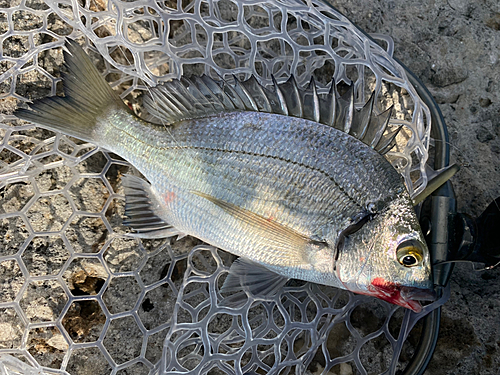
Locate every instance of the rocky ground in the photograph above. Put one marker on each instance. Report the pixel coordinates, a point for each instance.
(453, 46)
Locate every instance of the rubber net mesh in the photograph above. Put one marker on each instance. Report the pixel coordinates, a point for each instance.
(76, 295)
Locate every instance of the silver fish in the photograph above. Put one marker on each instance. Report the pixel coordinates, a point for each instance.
(294, 183)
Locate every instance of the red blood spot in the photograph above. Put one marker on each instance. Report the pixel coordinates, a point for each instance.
(270, 218)
(168, 197)
(380, 282)
(391, 292)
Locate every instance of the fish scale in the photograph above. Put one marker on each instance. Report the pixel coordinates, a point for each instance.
(294, 197)
(224, 167)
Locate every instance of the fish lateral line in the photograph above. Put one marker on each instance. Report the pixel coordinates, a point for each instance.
(201, 97)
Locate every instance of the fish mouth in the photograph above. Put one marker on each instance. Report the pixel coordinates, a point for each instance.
(411, 297)
(417, 294)
(405, 296)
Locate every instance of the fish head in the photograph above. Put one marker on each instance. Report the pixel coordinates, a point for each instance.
(388, 258)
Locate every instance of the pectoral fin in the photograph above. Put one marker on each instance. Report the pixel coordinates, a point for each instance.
(290, 243)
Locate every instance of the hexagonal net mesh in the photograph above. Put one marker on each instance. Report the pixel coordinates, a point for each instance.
(79, 297)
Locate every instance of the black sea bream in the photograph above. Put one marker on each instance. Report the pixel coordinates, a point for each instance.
(294, 183)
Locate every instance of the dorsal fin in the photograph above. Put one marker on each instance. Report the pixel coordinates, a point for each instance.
(361, 119)
(292, 97)
(199, 97)
(345, 111)
(311, 102)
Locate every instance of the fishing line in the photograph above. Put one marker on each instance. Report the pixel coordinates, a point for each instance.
(473, 264)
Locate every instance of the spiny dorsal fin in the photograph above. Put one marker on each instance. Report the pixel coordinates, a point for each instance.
(199, 97)
(345, 111)
(292, 97)
(376, 128)
(328, 107)
(311, 102)
(361, 119)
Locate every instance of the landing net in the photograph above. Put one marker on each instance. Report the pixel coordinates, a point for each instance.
(76, 295)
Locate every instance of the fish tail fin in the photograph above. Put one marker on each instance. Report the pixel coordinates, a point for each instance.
(87, 96)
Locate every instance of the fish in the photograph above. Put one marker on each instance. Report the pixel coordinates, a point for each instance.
(294, 183)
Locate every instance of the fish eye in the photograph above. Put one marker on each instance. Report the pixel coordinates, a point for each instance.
(409, 253)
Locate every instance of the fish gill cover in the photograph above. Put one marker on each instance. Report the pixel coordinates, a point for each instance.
(77, 295)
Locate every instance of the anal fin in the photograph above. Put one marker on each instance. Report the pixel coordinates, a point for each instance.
(141, 209)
